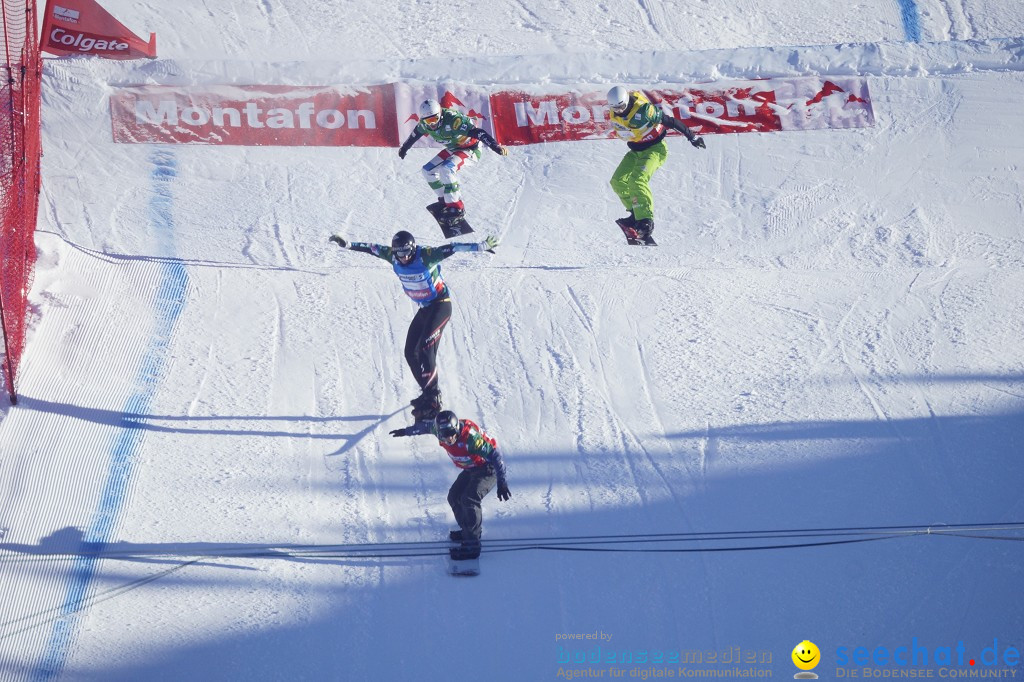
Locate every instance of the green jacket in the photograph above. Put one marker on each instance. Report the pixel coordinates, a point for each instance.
(456, 131)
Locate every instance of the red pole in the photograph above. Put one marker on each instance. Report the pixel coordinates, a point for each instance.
(9, 374)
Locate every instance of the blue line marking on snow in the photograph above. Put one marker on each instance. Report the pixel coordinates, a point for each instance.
(170, 300)
(911, 20)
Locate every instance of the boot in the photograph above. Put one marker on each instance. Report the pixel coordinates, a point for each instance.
(426, 396)
(428, 408)
(644, 228)
(455, 535)
(452, 214)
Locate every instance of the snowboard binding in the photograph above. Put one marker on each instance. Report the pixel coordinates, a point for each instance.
(452, 224)
(637, 232)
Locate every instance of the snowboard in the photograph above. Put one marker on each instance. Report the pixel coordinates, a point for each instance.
(467, 568)
(449, 227)
(632, 238)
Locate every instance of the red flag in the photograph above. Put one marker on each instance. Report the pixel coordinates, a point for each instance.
(82, 27)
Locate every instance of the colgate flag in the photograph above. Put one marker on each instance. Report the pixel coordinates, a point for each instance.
(82, 27)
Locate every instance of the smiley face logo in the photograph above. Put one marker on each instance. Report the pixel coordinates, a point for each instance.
(806, 655)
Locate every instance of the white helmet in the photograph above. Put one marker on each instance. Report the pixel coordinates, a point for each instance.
(618, 99)
(429, 108)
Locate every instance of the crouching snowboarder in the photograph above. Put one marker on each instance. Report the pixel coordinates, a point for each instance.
(478, 456)
(643, 126)
(461, 139)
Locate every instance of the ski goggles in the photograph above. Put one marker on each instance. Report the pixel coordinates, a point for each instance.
(432, 120)
(448, 435)
(405, 253)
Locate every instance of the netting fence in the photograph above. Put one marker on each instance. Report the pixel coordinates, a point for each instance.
(21, 72)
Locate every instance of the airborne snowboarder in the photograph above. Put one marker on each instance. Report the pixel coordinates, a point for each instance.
(419, 270)
(462, 141)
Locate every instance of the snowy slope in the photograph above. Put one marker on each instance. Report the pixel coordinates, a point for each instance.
(828, 337)
(286, 30)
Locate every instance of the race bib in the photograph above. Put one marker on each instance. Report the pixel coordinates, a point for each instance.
(417, 286)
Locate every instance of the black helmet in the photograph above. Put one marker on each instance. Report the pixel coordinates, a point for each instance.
(403, 245)
(446, 424)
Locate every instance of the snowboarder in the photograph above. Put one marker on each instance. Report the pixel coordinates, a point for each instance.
(419, 269)
(478, 456)
(462, 141)
(644, 126)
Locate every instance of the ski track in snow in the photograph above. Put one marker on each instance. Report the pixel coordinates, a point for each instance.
(654, 13)
(960, 24)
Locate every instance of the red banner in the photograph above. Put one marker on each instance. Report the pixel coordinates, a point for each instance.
(383, 115)
(524, 118)
(82, 27)
(754, 107)
(255, 115)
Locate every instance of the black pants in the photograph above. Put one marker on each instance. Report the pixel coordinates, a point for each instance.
(423, 339)
(465, 495)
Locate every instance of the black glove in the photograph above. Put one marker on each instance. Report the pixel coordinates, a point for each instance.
(698, 142)
(339, 240)
(503, 493)
(402, 152)
(417, 429)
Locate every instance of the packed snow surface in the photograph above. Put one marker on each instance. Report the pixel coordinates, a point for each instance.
(198, 481)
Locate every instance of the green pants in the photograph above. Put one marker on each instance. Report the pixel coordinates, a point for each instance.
(632, 178)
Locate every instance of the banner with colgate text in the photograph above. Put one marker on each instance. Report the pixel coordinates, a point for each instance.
(82, 27)
(385, 115)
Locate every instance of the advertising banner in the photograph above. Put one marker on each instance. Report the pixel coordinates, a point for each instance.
(82, 27)
(523, 117)
(256, 115)
(385, 115)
